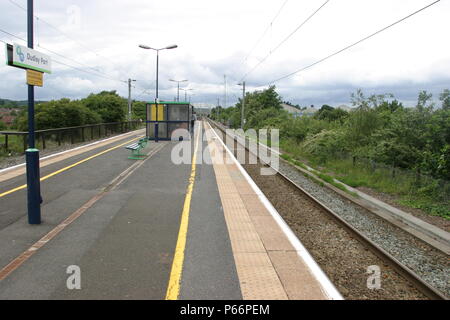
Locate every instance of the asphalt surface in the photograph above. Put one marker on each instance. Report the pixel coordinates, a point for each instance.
(124, 244)
(62, 195)
(209, 271)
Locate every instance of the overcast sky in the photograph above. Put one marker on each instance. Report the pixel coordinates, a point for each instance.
(217, 38)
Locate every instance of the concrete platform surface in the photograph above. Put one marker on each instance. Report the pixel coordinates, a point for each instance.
(119, 223)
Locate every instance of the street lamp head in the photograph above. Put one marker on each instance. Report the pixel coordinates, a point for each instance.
(143, 46)
(171, 46)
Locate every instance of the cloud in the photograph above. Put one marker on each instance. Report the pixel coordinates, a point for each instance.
(214, 38)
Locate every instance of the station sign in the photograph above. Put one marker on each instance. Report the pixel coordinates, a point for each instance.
(26, 58)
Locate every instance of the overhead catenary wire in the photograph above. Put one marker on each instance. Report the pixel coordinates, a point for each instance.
(85, 71)
(61, 32)
(354, 44)
(62, 63)
(284, 40)
(12, 35)
(82, 45)
(80, 63)
(267, 29)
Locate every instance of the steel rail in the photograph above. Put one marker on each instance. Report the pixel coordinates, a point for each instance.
(403, 270)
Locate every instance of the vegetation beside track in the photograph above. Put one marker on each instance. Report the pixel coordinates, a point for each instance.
(94, 110)
(381, 144)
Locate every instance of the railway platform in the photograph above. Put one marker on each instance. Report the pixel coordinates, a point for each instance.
(117, 228)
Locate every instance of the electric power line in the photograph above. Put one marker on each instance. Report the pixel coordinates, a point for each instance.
(105, 76)
(12, 35)
(265, 31)
(70, 59)
(355, 43)
(84, 46)
(284, 40)
(301, 25)
(61, 32)
(85, 71)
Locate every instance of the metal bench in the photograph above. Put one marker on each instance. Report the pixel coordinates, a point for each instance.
(136, 149)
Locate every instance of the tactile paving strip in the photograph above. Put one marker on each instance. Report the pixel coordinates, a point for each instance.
(268, 266)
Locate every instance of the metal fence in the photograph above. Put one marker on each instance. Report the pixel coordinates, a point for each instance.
(16, 141)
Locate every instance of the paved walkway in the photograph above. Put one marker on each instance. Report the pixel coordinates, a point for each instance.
(121, 223)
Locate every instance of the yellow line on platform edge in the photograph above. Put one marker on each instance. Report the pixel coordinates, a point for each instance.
(67, 168)
(173, 288)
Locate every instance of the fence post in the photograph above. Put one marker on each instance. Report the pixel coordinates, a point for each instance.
(59, 138)
(71, 136)
(6, 142)
(43, 140)
(82, 134)
(92, 133)
(235, 145)
(374, 166)
(24, 142)
(418, 176)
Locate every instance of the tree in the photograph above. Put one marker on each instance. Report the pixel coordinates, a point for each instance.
(424, 98)
(256, 102)
(139, 110)
(444, 162)
(330, 114)
(108, 104)
(58, 114)
(445, 98)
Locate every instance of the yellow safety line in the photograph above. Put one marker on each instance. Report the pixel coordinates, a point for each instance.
(173, 289)
(68, 167)
(22, 258)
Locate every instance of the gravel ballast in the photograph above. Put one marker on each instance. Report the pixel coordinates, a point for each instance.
(344, 259)
(429, 263)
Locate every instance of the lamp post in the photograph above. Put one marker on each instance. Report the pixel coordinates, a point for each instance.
(178, 91)
(243, 103)
(185, 93)
(129, 98)
(143, 46)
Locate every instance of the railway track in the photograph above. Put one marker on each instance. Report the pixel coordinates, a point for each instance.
(343, 252)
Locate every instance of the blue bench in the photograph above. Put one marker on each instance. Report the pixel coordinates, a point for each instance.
(136, 149)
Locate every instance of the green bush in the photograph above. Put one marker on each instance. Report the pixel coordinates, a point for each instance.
(379, 129)
(106, 106)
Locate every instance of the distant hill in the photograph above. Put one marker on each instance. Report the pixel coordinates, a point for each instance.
(11, 104)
